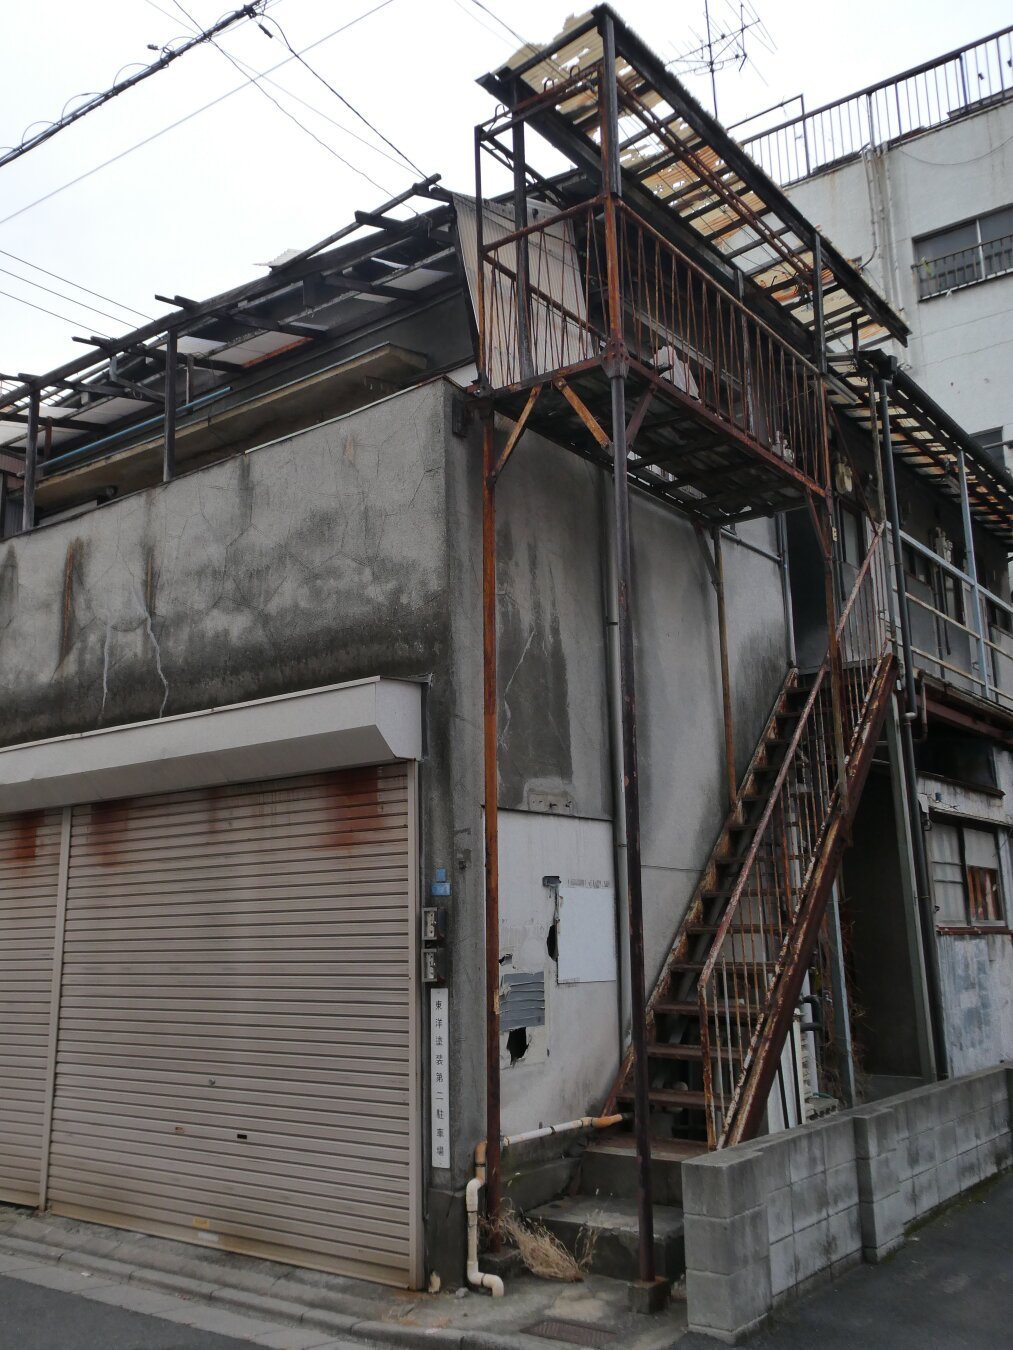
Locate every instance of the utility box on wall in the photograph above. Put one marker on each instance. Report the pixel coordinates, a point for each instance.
(559, 1048)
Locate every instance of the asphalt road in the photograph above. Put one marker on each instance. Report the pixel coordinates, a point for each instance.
(950, 1287)
(35, 1318)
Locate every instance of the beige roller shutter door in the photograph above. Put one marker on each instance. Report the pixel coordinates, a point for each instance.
(236, 1060)
(29, 887)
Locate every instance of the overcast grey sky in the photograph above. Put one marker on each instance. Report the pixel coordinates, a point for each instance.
(195, 210)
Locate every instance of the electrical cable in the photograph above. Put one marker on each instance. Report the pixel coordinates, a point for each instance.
(188, 117)
(327, 85)
(290, 115)
(91, 102)
(42, 310)
(61, 295)
(76, 284)
(250, 71)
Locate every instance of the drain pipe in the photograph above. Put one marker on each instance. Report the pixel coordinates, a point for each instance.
(886, 368)
(484, 1279)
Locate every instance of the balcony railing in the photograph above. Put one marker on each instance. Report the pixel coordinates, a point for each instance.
(978, 262)
(964, 81)
(961, 634)
(696, 339)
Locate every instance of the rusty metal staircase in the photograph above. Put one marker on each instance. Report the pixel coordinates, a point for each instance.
(722, 1006)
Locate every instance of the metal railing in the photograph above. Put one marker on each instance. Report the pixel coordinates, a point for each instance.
(961, 632)
(757, 935)
(680, 327)
(964, 81)
(950, 271)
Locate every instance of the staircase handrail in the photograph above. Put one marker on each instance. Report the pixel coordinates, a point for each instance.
(834, 804)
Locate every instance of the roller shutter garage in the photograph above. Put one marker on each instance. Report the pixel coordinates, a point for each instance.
(29, 885)
(236, 1056)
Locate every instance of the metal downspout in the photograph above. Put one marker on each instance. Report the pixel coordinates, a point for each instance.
(610, 608)
(926, 912)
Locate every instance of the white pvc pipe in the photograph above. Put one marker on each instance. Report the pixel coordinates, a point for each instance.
(481, 1279)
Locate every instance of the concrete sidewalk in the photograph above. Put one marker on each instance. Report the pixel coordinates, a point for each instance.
(950, 1287)
(236, 1296)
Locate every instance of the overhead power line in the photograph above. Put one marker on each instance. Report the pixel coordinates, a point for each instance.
(188, 117)
(62, 295)
(285, 111)
(67, 281)
(43, 310)
(327, 85)
(28, 143)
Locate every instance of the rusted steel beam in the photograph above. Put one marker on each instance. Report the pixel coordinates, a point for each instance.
(517, 433)
(586, 416)
(639, 413)
(489, 746)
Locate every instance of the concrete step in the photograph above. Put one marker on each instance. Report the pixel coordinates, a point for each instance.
(613, 1223)
(609, 1168)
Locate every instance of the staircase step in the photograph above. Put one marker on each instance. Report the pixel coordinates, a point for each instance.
(695, 967)
(681, 1051)
(613, 1225)
(679, 1098)
(710, 929)
(609, 1168)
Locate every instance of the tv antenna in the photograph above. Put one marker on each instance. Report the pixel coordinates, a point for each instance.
(723, 42)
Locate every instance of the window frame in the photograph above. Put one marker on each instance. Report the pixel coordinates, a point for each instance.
(973, 876)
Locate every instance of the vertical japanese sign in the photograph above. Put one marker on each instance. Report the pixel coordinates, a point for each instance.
(439, 1078)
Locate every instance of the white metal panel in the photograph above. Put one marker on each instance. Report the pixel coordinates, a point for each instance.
(29, 883)
(236, 1053)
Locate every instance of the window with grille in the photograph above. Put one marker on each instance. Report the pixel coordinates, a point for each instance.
(961, 255)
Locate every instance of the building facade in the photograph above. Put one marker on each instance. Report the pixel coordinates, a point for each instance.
(311, 590)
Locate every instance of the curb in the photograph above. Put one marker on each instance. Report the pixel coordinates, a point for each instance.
(281, 1311)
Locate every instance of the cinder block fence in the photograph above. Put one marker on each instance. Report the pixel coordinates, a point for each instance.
(765, 1220)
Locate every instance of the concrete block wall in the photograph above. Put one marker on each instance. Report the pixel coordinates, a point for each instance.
(765, 1220)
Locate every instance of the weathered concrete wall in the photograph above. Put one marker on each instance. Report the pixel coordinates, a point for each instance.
(553, 679)
(765, 1220)
(315, 559)
(961, 345)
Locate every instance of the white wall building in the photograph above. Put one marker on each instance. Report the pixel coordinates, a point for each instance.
(913, 179)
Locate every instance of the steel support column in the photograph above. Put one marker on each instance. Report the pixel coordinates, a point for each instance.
(520, 223)
(971, 568)
(926, 912)
(169, 444)
(616, 365)
(726, 681)
(31, 463)
(489, 742)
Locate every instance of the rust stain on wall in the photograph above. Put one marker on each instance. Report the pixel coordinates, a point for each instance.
(25, 843)
(108, 820)
(355, 808)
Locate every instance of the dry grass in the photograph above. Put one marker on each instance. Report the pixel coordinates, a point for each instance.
(543, 1253)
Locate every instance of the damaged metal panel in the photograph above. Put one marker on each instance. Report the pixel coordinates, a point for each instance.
(522, 1000)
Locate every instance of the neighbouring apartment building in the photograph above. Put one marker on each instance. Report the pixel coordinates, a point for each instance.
(497, 668)
(913, 179)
